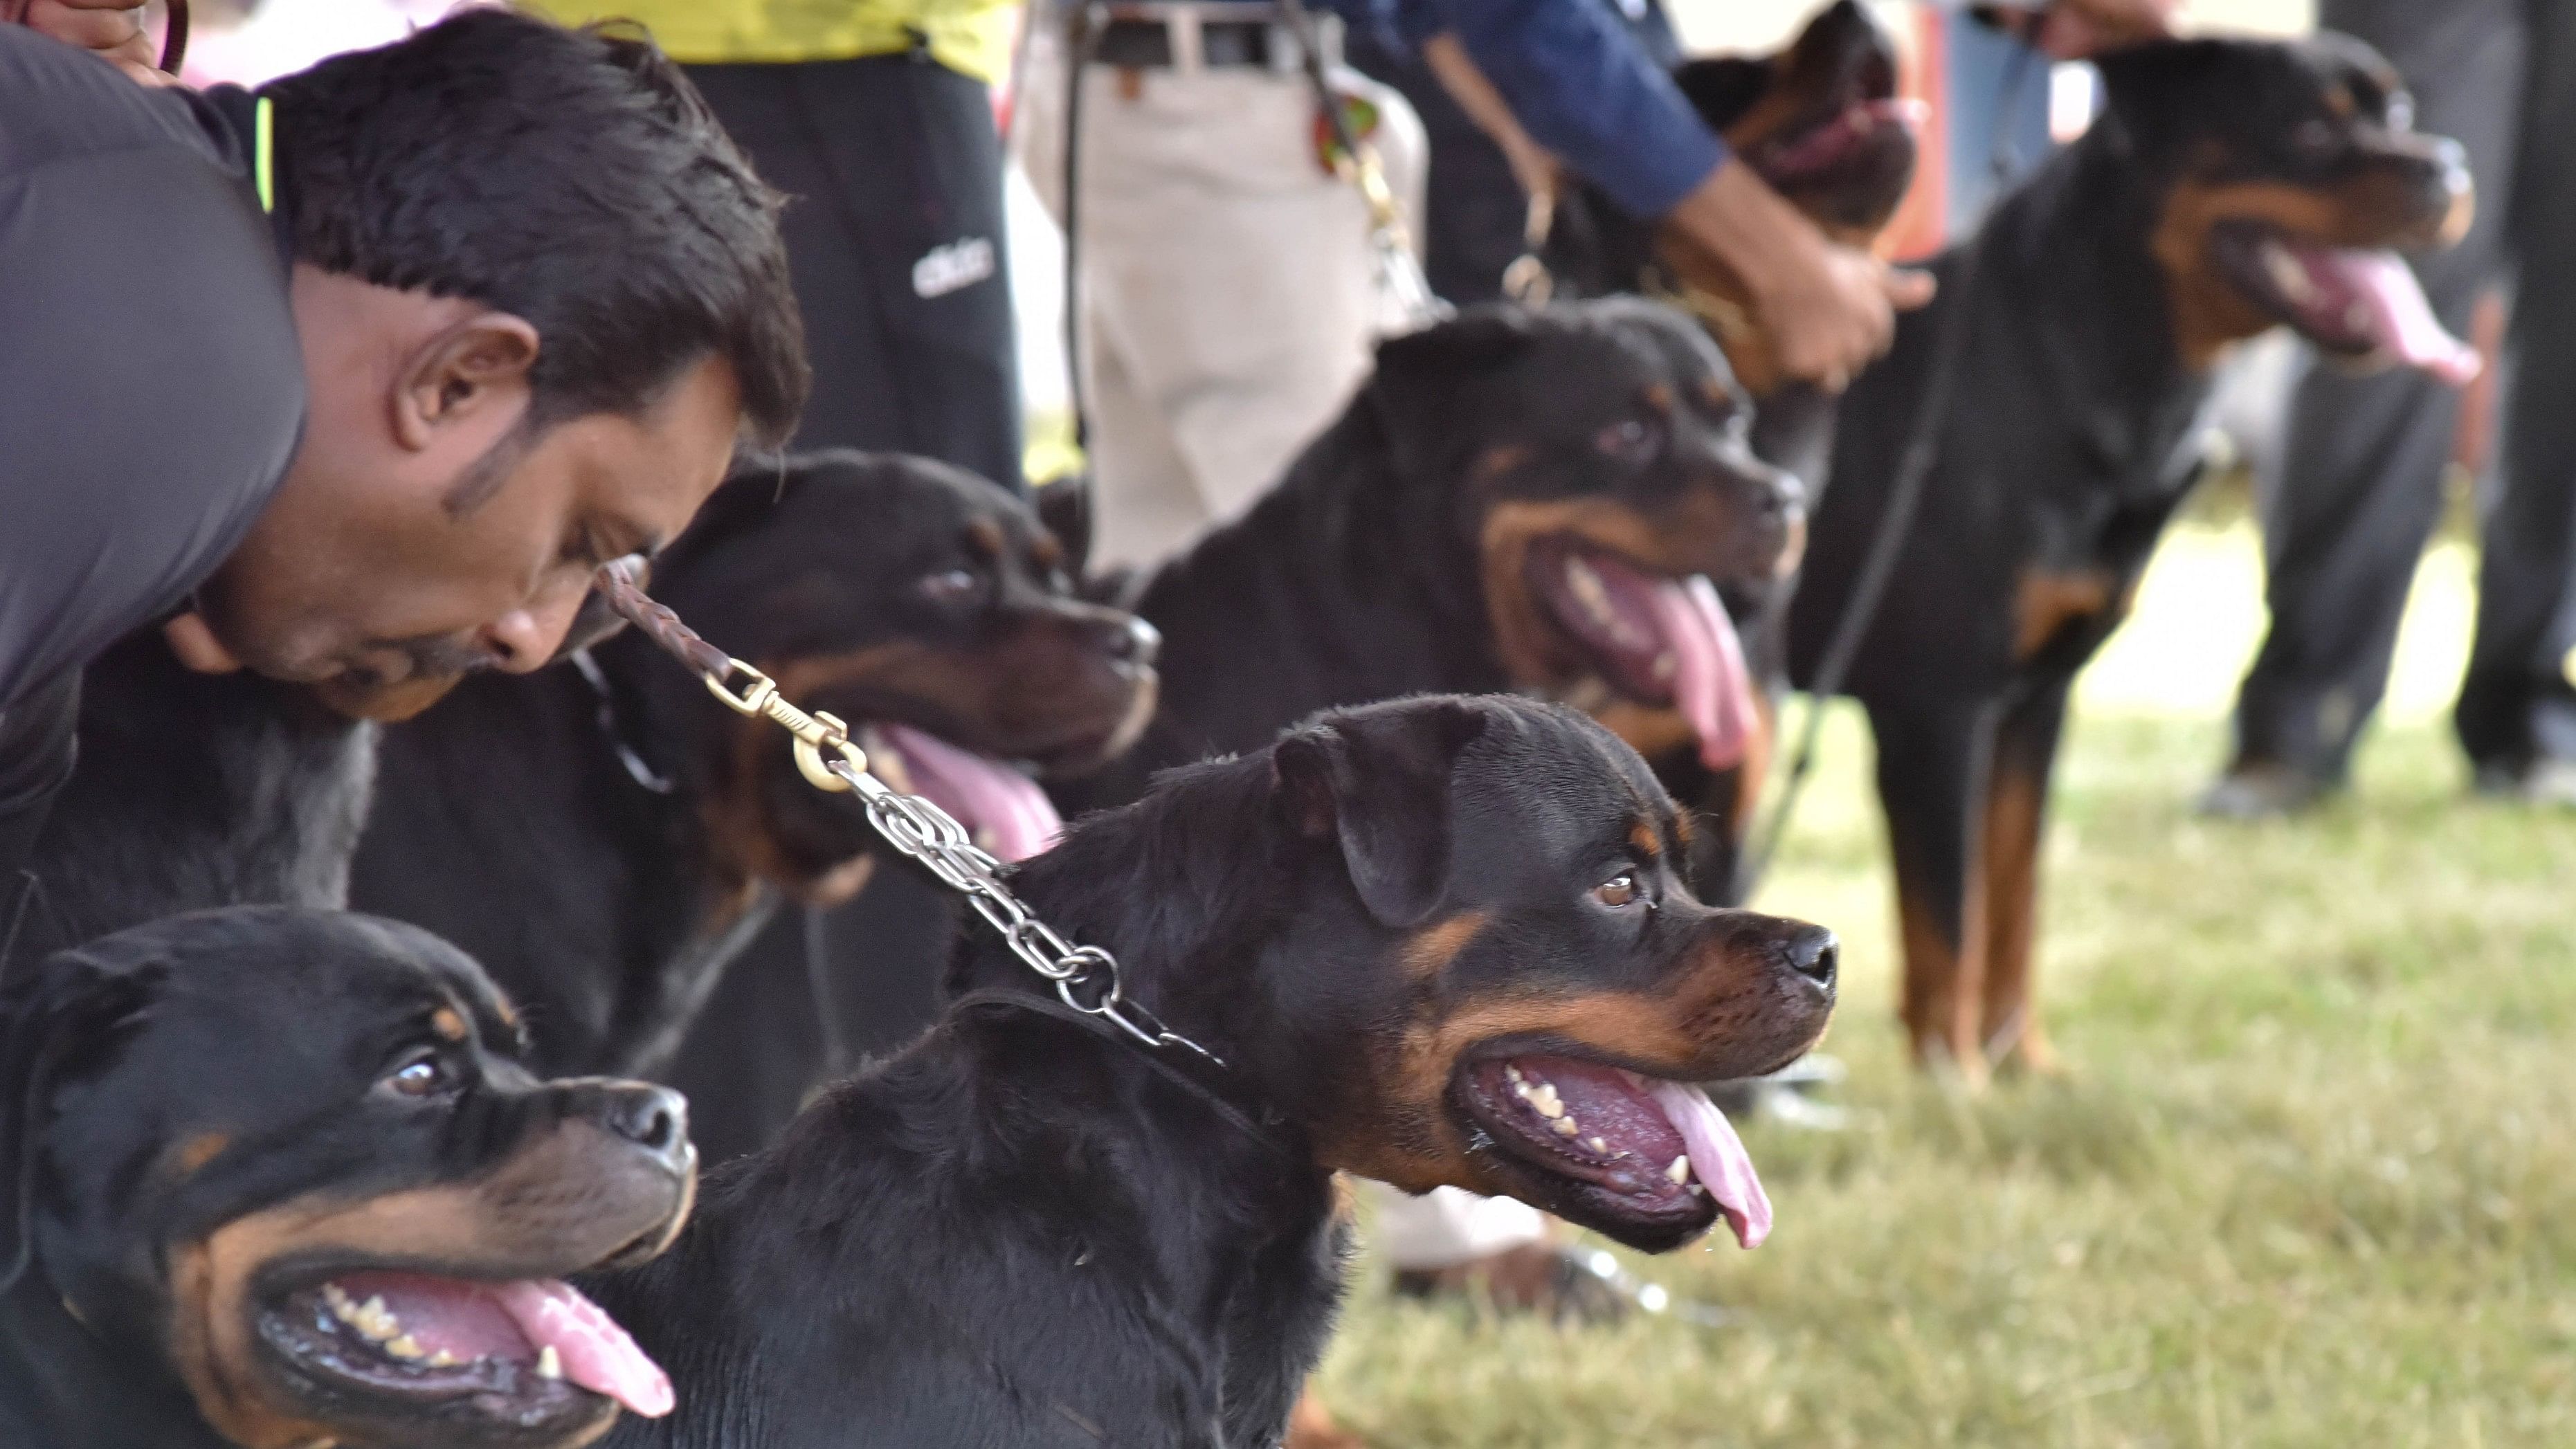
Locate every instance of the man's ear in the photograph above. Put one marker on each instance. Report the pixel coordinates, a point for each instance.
(1064, 506)
(1375, 781)
(465, 373)
(64, 1011)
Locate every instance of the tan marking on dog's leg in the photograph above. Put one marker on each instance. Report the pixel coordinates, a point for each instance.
(2008, 1026)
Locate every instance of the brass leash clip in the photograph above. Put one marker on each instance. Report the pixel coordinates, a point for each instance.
(815, 733)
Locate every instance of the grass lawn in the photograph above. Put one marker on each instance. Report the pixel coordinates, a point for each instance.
(2313, 1181)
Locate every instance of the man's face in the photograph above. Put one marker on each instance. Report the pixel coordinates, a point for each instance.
(422, 534)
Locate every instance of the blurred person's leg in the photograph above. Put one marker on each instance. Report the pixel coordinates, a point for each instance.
(1230, 277)
(1474, 208)
(2517, 712)
(894, 232)
(2361, 481)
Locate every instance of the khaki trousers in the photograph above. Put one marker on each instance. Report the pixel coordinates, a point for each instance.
(1228, 295)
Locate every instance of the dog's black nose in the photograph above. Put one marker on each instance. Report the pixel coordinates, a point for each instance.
(1136, 644)
(653, 1118)
(1814, 954)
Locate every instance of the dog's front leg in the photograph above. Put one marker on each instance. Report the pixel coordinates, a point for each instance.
(2024, 757)
(1934, 763)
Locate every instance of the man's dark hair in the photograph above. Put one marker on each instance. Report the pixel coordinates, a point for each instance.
(573, 178)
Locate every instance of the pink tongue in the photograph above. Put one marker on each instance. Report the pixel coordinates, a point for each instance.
(1711, 684)
(1717, 1158)
(1004, 810)
(596, 1353)
(2387, 305)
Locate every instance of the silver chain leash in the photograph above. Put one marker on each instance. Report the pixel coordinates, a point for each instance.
(1085, 977)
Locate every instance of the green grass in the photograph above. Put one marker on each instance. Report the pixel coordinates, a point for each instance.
(2313, 1181)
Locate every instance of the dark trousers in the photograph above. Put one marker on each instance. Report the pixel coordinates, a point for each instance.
(2361, 486)
(893, 173)
(1475, 207)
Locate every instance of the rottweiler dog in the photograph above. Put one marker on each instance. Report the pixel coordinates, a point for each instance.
(278, 1177)
(1436, 941)
(1559, 501)
(1822, 122)
(192, 791)
(2230, 186)
(606, 838)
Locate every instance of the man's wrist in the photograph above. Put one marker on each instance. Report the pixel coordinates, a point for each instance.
(1737, 218)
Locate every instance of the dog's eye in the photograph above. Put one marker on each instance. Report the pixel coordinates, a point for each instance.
(420, 1077)
(949, 586)
(1630, 440)
(1618, 890)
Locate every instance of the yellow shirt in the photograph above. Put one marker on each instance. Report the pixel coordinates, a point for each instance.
(971, 37)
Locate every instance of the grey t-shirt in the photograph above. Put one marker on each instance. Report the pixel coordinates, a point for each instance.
(151, 389)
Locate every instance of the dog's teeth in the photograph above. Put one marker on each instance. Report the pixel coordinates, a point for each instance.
(1564, 1126)
(1597, 1145)
(1549, 1104)
(442, 1359)
(1679, 1172)
(1514, 1074)
(2288, 275)
(405, 1347)
(549, 1363)
(376, 1321)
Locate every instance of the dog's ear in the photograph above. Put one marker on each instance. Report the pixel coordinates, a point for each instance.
(1722, 89)
(1376, 783)
(1064, 506)
(2162, 90)
(1419, 375)
(66, 1010)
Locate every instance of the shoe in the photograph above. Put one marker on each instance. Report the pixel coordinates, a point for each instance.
(2544, 781)
(2263, 790)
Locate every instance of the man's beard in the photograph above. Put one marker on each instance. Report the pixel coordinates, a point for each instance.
(437, 665)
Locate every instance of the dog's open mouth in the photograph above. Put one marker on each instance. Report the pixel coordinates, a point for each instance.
(1653, 639)
(1647, 1161)
(1849, 139)
(1005, 812)
(2355, 303)
(525, 1353)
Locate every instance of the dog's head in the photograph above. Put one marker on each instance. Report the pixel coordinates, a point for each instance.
(292, 1156)
(932, 612)
(1820, 121)
(1450, 938)
(2289, 176)
(1595, 458)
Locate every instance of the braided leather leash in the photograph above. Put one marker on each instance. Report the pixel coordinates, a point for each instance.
(1085, 977)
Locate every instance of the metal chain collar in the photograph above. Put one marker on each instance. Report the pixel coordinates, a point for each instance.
(1085, 977)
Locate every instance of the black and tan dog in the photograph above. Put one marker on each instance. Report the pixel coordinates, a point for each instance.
(2231, 186)
(1821, 121)
(605, 839)
(1439, 941)
(278, 1178)
(1551, 500)
(192, 791)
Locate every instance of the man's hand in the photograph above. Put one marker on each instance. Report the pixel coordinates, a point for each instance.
(110, 29)
(1826, 309)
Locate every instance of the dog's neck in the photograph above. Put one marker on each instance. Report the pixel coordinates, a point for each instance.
(63, 1387)
(1350, 581)
(2096, 330)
